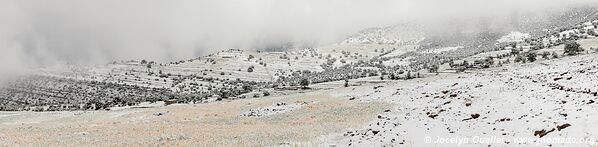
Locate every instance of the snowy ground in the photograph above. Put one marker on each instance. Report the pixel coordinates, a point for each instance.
(547, 99)
(522, 101)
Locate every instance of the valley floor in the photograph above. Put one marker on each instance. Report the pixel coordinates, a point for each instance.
(211, 124)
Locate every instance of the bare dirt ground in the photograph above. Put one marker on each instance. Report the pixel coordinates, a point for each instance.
(212, 124)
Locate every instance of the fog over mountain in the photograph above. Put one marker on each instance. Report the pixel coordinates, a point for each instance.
(41, 33)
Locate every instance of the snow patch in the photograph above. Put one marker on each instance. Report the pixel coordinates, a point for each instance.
(446, 49)
(278, 108)
(404, 34)
(514, 37)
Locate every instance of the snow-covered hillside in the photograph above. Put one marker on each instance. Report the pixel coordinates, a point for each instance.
(539, 100)
(514, 37)
(403, 34)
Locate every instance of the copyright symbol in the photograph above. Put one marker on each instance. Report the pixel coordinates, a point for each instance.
(428, 139)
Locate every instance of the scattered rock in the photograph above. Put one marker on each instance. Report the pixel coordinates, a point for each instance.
(563, 126)
(445, 91)
(375, 132)
(468, 103)
(543, 132)
(473, 116)
(504, 119)
(160, 113)
(82, 133)
(590, 102)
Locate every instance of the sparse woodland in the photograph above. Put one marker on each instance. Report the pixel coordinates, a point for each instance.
(50, 93)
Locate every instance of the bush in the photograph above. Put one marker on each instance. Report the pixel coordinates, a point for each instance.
(519, 58)
(408, 76)
(572, 48)
(545, 55)
(514, 51)
(531, 57)
(433, 69)
(465, 64)
(304, 83)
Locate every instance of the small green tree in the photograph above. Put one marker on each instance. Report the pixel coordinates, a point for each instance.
(519, 58)
(408, 76)
(465, 64)
(346, 83)
(433, 69)
(531, 57)
(514, 51)
(572, 48)
(304, 83)
(247, 88)
(546, 55)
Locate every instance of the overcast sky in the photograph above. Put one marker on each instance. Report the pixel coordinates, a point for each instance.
(47, 32)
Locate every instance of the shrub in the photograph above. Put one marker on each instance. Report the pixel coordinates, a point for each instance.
(531, 57)
(572, 48)
(514, 51)
(433, 69)
(304, 83)
(519, 58)
(545, 55)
